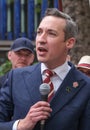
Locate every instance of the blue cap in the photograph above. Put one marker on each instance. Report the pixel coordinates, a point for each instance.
(22, 43)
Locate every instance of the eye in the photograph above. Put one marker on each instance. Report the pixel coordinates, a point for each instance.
(52, 34)
(39, 31)
(17, 53)
(27, 55)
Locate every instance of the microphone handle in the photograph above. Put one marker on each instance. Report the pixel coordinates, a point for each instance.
(42, 124)
(44, 97)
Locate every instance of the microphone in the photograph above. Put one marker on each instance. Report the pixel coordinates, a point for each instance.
(44, 91)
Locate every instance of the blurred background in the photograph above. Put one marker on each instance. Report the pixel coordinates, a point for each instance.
(20, 18)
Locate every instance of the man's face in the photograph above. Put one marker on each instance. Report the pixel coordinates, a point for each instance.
(51, 48)
(85, 71)
(20, 58)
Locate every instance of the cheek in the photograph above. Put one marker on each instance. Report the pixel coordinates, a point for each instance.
(36, 40)
(56, 48)
(14, 58)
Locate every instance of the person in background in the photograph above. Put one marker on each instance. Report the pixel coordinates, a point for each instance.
(21, 54)
(20, 98)
(84, 65)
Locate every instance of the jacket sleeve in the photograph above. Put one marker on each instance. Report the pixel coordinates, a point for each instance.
(6, 105)
(85, 119)
(6, 125)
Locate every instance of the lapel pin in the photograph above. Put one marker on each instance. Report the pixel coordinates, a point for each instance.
(68, 89)
(75, 84)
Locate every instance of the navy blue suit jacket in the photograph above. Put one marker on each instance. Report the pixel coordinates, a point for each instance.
(70, 105)
(3, 79)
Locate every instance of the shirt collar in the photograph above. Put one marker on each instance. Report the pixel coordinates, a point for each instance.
(61, 71)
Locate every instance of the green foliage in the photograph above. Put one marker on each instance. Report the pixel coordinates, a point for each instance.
(4, 68)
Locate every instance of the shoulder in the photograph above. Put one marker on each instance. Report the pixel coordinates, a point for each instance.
(28, 69)
(3, 78)
(78, 75)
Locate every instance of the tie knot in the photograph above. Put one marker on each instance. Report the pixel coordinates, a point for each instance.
(48, 73)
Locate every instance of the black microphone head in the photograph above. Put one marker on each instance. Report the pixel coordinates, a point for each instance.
(44, 89)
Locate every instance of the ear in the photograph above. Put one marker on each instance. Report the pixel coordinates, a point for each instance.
(9, 55)
(70, 43)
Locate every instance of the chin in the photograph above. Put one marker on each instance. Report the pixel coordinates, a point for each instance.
(42, 60)
(19, 66)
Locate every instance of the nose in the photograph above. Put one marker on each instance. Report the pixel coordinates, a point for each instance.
(42, 38)
(23, 57)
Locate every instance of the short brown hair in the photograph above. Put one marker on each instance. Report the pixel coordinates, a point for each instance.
(71, 29)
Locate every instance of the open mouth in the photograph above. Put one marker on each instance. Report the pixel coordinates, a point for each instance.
(41, 49)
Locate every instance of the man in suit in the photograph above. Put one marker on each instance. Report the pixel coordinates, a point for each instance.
(21, 107)
(21, 54)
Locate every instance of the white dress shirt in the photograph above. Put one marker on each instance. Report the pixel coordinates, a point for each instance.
(61, 73)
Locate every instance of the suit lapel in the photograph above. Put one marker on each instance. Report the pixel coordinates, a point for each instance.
(32, 81)
(68, 89)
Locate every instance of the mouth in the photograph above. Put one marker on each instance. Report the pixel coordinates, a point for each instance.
(41, 49)
(22, 64)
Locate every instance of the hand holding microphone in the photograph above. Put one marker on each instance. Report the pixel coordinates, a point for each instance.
(44, 91)
(40, 111)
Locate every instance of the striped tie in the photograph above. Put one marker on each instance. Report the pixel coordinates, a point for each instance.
(47, 80)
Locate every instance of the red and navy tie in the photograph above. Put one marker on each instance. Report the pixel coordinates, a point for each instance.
(47, 80)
